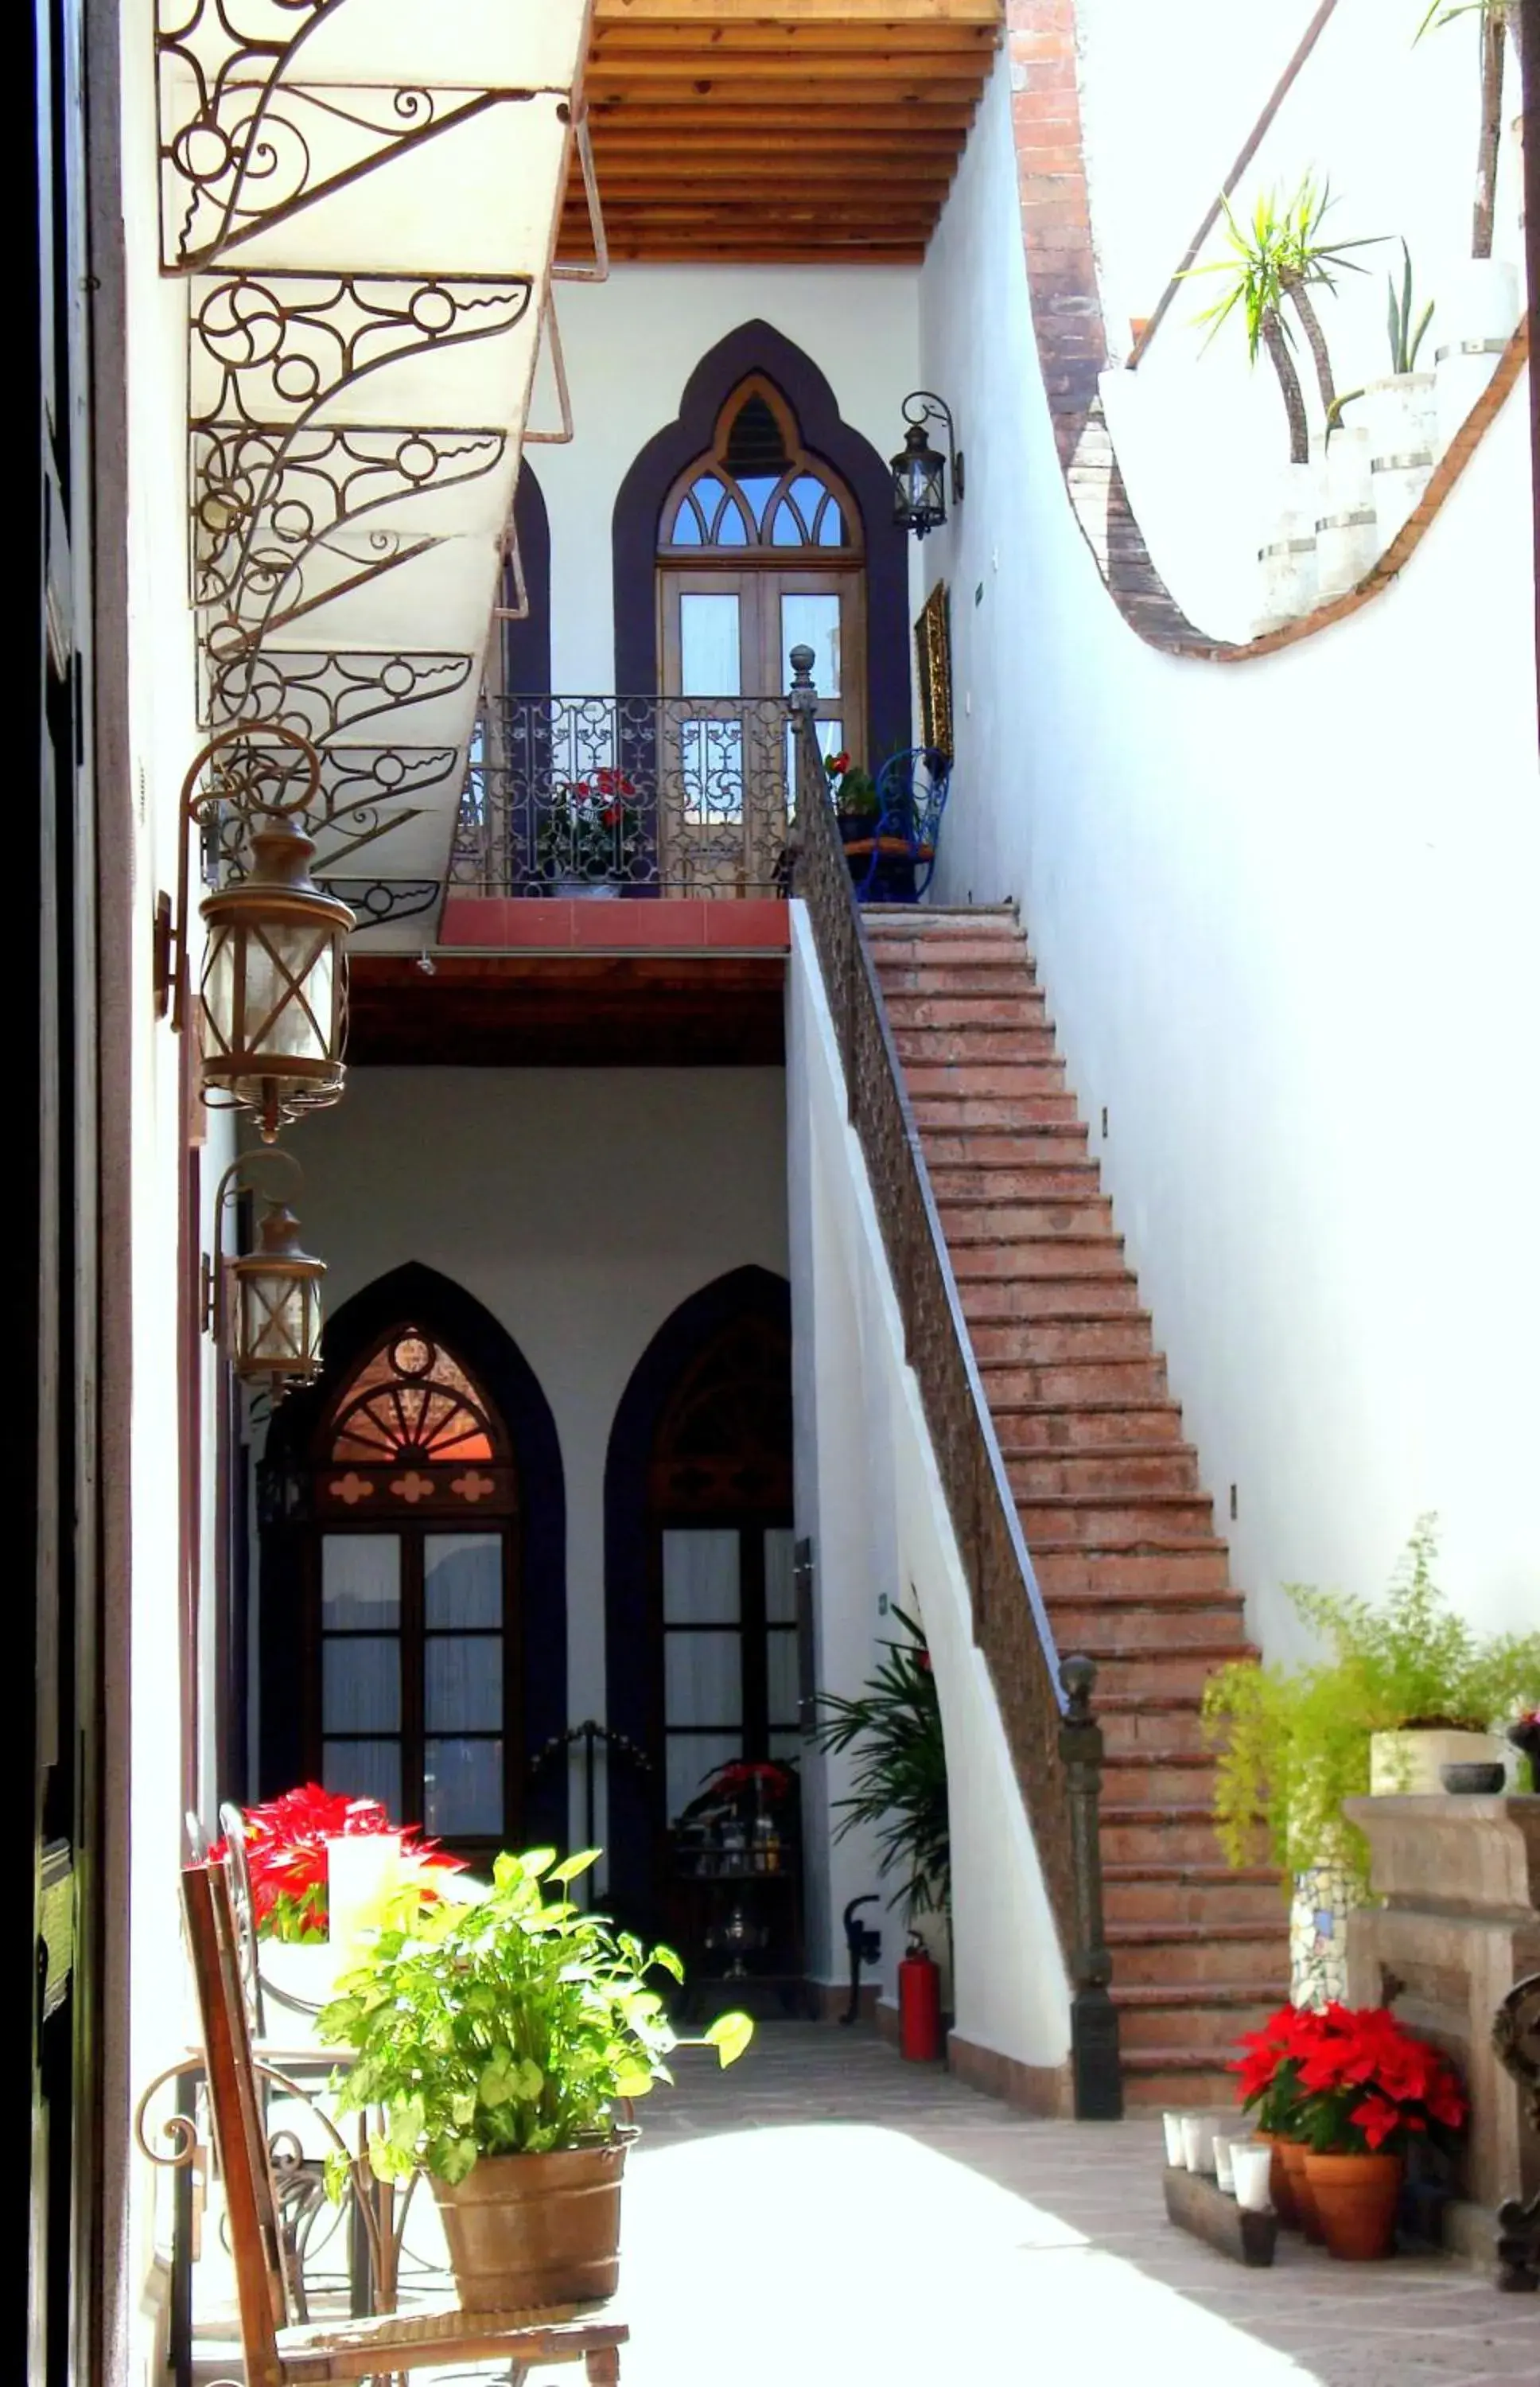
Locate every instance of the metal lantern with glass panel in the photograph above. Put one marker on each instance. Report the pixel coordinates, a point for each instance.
(272, 997)
(263, 1308)
(920, 471)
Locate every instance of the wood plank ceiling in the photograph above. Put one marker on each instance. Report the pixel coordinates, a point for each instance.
(818, 131)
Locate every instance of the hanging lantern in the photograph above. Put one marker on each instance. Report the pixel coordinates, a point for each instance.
(920, 471)
(277, 1323)
(274, 997)
(274, 991)
(264, 1307)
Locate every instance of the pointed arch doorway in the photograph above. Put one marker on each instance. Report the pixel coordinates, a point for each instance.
(413, 1611)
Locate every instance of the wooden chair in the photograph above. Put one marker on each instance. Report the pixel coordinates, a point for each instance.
(383, 2345)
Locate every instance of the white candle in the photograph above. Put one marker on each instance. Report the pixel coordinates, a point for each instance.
(361, 1870)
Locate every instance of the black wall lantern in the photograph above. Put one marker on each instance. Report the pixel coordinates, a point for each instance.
(919, 473)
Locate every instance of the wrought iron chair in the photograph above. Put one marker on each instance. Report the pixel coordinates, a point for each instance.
(1516, 2039)
(900, 851)
(383, 2345)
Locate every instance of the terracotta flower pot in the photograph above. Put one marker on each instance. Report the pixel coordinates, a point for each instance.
(525, 2231)
(1293, 2153)
(1356, 2198)
(1279, 2182)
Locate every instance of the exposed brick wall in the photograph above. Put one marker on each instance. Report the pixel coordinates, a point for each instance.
(1054, 196)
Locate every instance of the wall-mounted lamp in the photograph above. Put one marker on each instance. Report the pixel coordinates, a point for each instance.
(919, 473)
(274, 998)
(263, 1308)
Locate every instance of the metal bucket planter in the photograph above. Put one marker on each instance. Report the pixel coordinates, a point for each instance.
(528, 2231)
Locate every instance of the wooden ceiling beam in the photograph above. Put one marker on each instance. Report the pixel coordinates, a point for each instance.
(695, 13)
(675, 87)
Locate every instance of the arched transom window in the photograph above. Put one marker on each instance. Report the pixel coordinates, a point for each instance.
(759, 489)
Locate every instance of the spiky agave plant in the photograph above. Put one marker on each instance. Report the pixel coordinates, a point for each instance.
(1276, 257)
(1500, 19)
(899, 1785)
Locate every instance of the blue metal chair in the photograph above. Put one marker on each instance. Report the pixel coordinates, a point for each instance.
(894, 859)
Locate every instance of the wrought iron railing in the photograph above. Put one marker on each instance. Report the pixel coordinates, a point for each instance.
(629, 795)
(1045, 1706)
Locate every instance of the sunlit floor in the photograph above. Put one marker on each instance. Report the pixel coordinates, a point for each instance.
(826, 2215)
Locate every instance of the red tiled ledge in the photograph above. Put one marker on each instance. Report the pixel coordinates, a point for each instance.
(672, 924)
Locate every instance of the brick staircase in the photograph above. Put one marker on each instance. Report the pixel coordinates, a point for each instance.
(1120, 1530)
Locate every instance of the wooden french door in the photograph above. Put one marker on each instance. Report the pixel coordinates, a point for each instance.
(725, 636)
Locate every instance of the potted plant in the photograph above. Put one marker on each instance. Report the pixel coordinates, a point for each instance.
(586, 840)
(1399, 409)
(1367, 2088)
(1276, 258)
(496, 2036)
(899, 1784)
(1481, 305)
(853, 791)
(1295, 1743)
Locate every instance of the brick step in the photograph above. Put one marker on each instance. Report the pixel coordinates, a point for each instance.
(1200, 1894)
(1105, 1523)
(1119, 1626)
(1173, 1835)
(1162, 1673)
(1053, 1427)
(1197, 2013)
(1023, 1383)
(1147, 1726)
(1003, 1082)
(1157, 2077)
(1057, 1259)
(1147, 1953)
(989, 1044)
(931, 977)
(951, 1112)
(1027, 1008)
(1023, 1326)
(968, 1219)
(1157, 1467)
(939, 919)
(1182, 1779)
(1067, 1571)
(1038, 1157)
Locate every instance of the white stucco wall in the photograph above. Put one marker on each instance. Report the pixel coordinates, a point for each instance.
(581, 1207)
(869, 1497)
(1285, 917)
(631, 344)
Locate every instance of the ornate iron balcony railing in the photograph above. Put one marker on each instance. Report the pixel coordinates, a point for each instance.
(627, 795)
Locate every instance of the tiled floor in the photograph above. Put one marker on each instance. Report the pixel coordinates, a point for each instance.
(826, 2215)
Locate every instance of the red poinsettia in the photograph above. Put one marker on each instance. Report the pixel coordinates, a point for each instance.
(287, 1839)
(1348, 2079)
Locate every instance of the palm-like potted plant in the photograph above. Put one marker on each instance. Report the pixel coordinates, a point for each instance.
(899, 1785)
(1498, 22)
(1276, 258)
(1398, 409)
(497, 2034)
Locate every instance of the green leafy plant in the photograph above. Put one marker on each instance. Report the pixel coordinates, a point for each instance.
(1500, 19)
(894, 1725)
(589, 828)
(1276, 257)
(509, 2023)
(1295, 1744)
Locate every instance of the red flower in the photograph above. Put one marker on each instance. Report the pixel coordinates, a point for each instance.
(287, 1839)
(836, 764)
(1348, 2077)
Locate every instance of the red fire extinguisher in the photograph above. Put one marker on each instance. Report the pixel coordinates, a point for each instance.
(919, 1998)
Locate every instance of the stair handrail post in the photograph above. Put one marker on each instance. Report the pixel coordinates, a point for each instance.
(1096, 2076)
